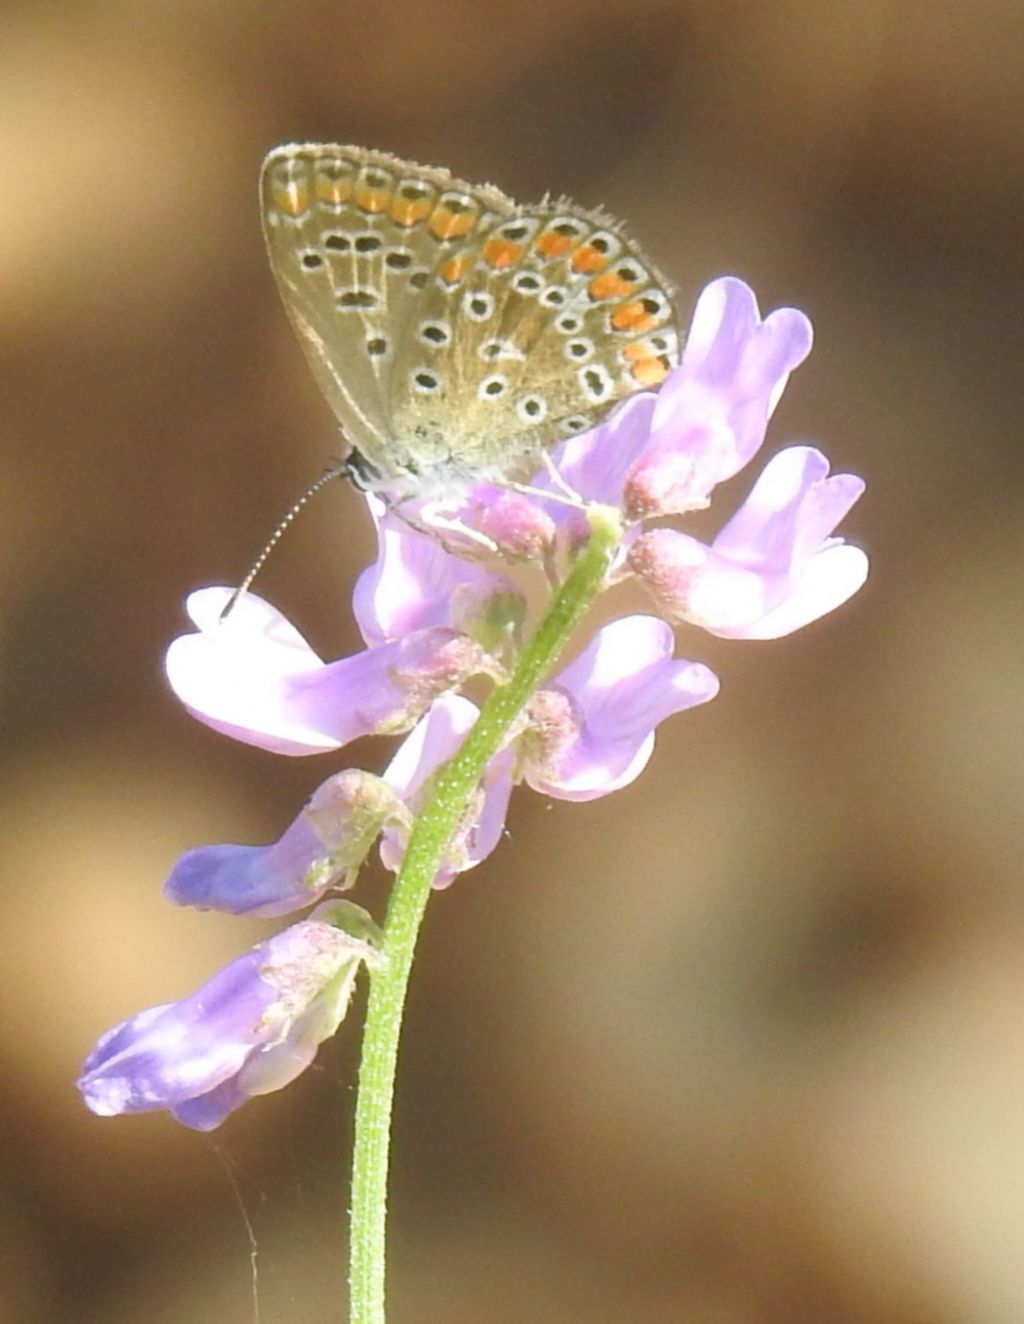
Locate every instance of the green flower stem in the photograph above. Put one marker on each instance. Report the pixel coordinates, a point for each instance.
(434, 828)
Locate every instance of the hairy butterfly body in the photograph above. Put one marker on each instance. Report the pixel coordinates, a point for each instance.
(454, 332)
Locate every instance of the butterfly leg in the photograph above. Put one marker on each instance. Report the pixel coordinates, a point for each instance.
(431, 522)
(431, 513)
(564, 495)
(572, 499)
(555, 474)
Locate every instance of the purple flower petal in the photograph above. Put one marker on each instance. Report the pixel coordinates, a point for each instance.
(485, 823)
(255, 678)
(791, 510)
(272, 1066)
(774, 567)
(714, 408)
(519, 526)
(174, 1052)
(232, 672)
(415, 584)
(826, 582)
(249, 1029)
(595, 463)
(598, 717)
(322, 848)
(435, 739)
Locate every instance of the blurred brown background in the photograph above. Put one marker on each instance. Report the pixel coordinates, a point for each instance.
(743, 1044)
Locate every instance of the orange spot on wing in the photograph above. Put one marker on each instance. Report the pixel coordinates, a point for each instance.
(453, 270)
(639, 349)
(501, 253)
(445, 224)
(649, 372)
(554, 245)
(632, 317)
(372, 199)
(408, 211)
(292, 197)
(333, 191)
(610, 286)
(588, 259)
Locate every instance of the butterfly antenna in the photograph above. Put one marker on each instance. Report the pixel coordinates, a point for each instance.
(276, 536)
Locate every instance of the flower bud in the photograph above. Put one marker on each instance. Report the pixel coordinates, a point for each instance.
(668, 564)
(663, 481)
(518, 525)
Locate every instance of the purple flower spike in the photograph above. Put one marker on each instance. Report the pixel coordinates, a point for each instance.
(434, 740)
(255, 678)
(415, 584)
(774, 567)
(249, 1030)
(592, 730)
(322, 848)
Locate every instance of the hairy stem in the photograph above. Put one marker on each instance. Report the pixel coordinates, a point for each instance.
(434, 828)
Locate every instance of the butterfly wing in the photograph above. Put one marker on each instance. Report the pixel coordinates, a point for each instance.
(545, 319)
(351, 246)
(452, 331)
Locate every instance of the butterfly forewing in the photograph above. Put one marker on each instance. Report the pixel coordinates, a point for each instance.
(452, 331)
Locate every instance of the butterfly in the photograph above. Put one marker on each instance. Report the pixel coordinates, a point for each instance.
(455, 333)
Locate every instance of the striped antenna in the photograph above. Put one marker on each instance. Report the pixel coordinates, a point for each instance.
(340, 472)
